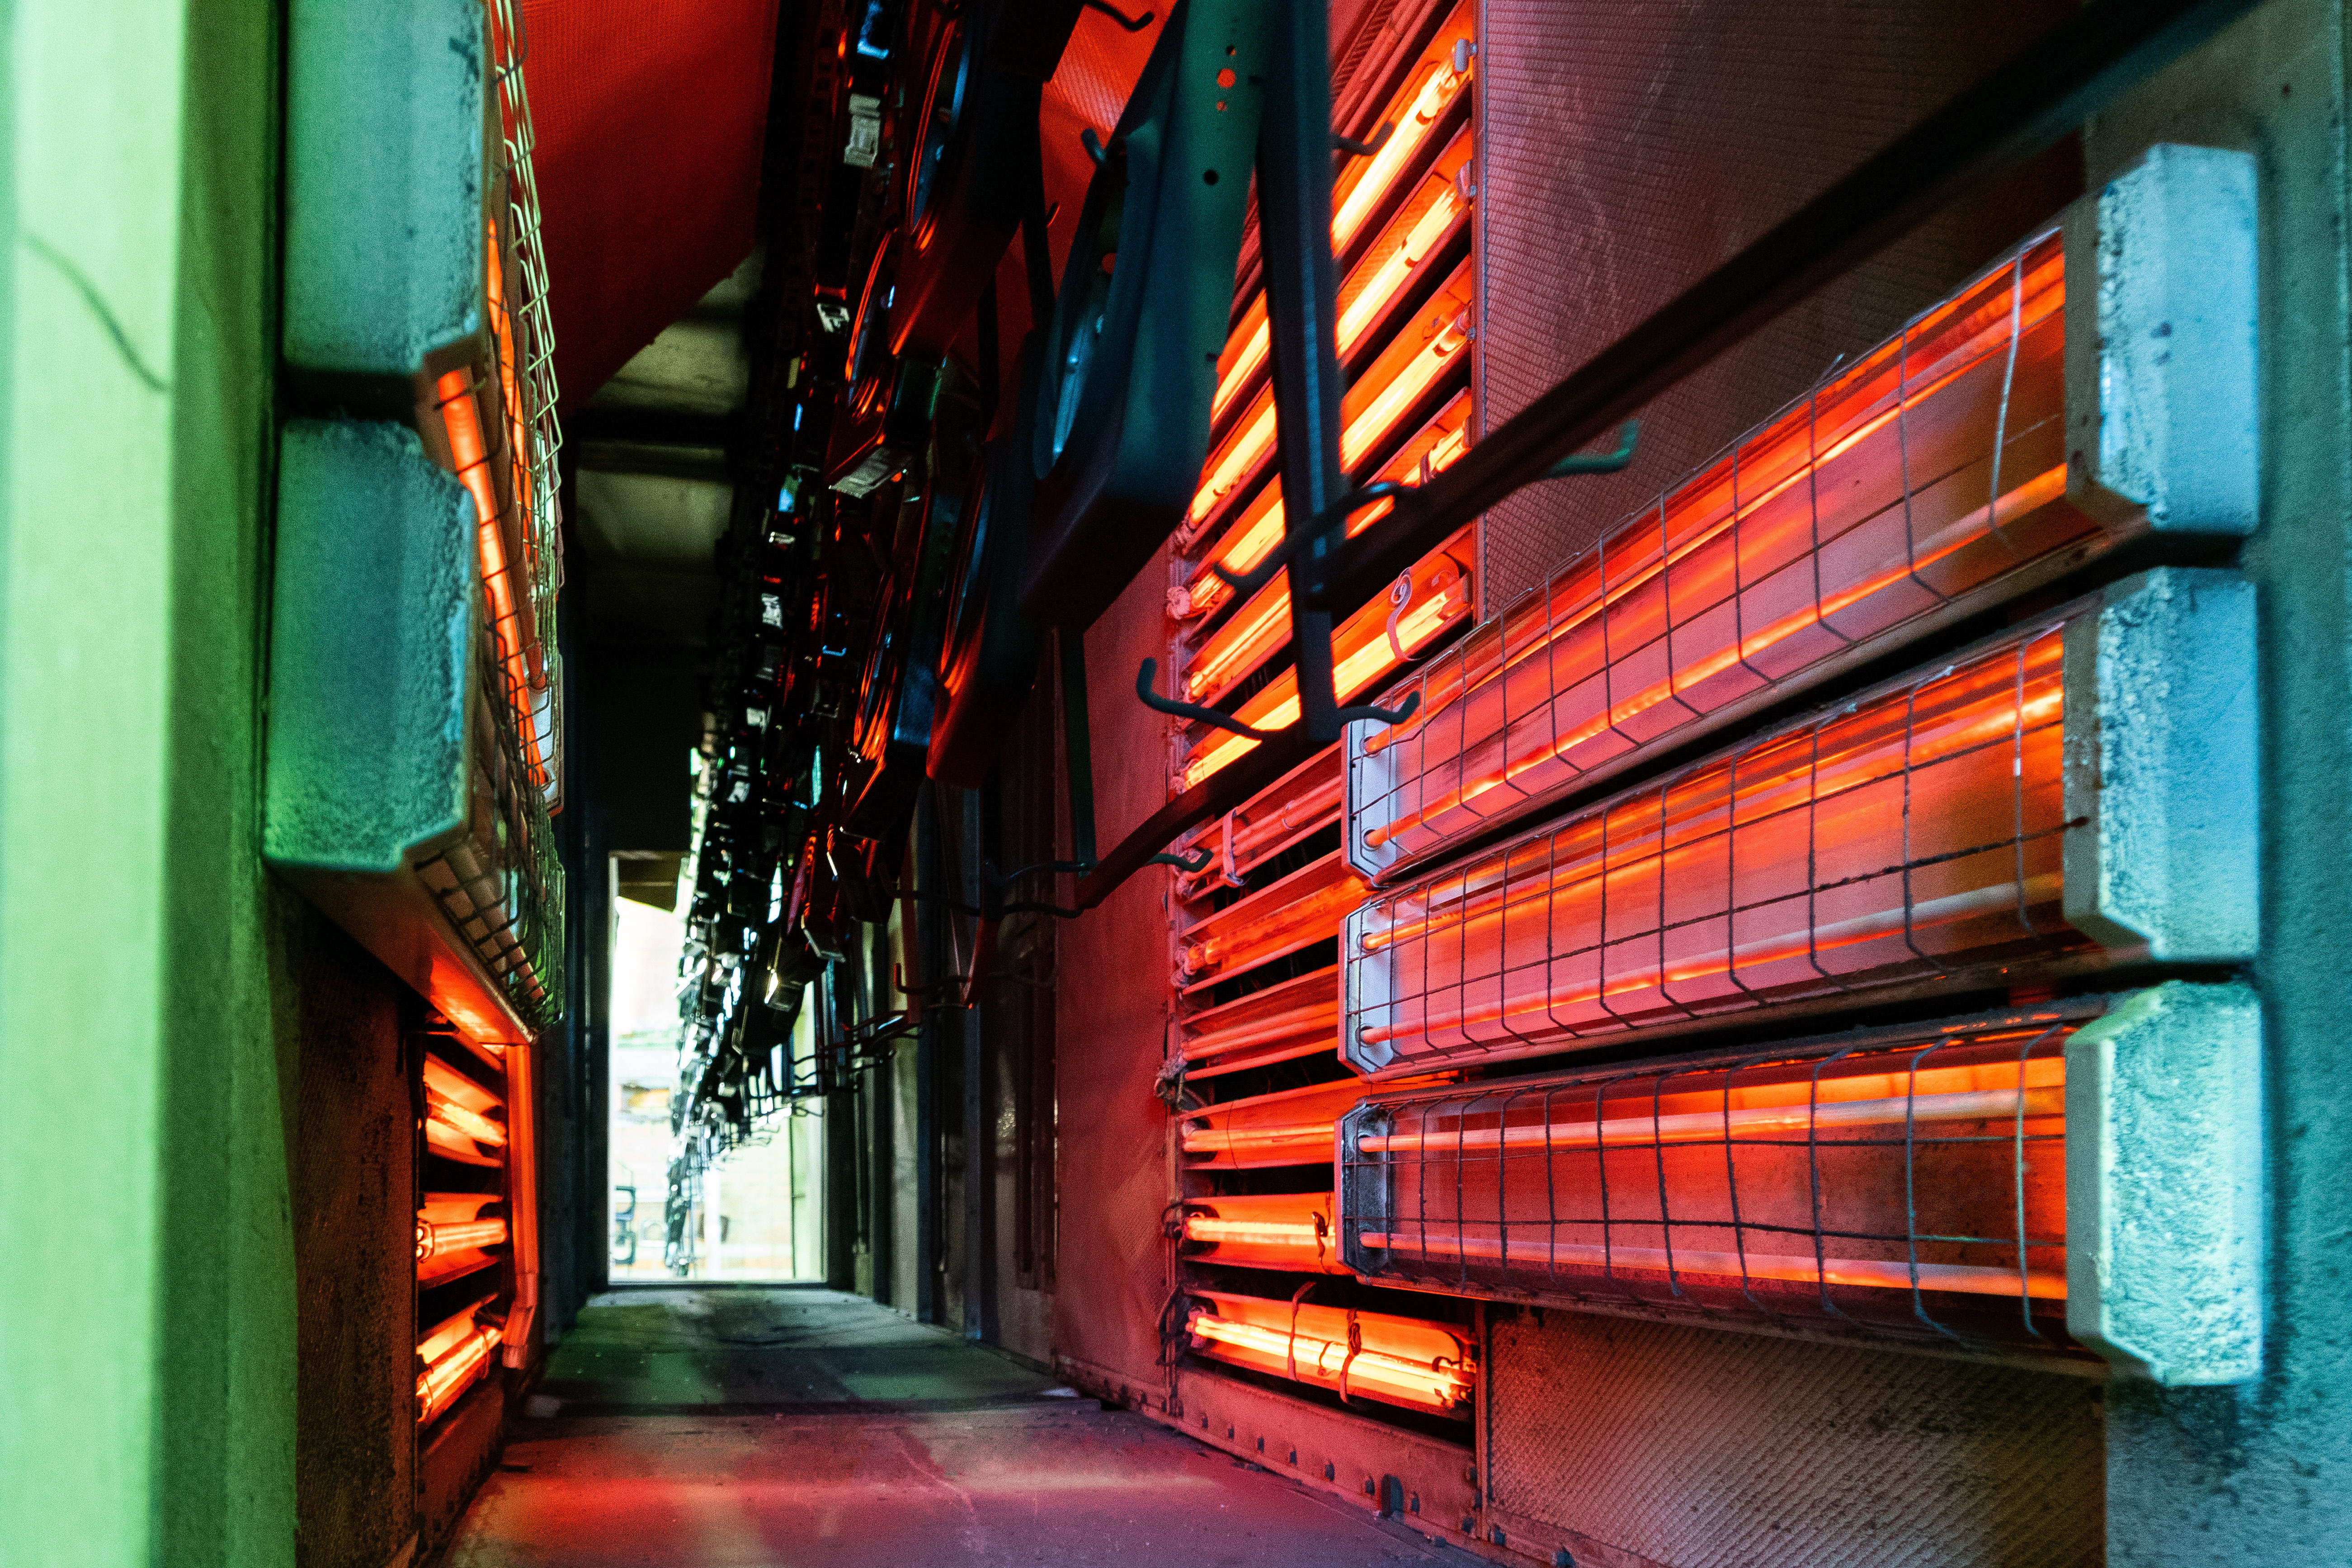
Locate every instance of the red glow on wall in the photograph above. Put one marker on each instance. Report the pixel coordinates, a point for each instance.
(646, 206)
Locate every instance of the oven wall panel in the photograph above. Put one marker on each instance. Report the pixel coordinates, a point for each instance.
(1111, 1029)
(354, 1175)
(1626, 150)
(1702, 1449)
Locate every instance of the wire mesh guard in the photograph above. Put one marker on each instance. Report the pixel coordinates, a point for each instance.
(1288, 1127)
(526, 341)
(1927, 477)
(501, 886)
(1914, 1185)
(1373, 1355)
(1913, 835)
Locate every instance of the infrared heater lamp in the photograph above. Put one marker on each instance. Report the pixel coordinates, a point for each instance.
(1908, 1182)
(2044, 414)
(454, 1238)
(1289, 1231)
(1290, 1127)
(458, 1124)
(1423, 606)
(1247, 540)
(1428, 102)
(1274, 921)
(1412, 367)
(1276, 1015)
(1358, 1355)
(2075, 791)
(453, 1354)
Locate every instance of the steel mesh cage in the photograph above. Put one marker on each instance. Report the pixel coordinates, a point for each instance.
(1929, 475)
(1912, 834)
(1907, 1182)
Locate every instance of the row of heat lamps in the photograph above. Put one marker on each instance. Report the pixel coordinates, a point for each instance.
(1931, 833)
(475, 1133)
(1400, 223)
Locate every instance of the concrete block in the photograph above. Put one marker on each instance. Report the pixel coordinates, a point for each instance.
(2162, 787)
(385, 182)
(2163, 398)
(372, 613)
(2164, 1185)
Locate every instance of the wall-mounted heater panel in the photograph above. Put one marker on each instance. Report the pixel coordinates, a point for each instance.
(1958, 1183)
(2076, 791)
(415, 723)
(1289, 1231)
(1912, 1183)
(454, 1353)
(1409, 1362)
(476, 1216)
(1257, 926)
(1998, 442)
(1290, 1127)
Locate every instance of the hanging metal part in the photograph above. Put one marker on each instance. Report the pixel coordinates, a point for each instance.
(1130, 23)
(1368, 146)
(1599, 462)
(1294, 199)
(1193, 711)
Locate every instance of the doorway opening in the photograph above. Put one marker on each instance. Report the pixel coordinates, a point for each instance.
(756, 1214)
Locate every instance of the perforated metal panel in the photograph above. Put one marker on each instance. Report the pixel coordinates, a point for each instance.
(1626, 150)
(1628, 1441)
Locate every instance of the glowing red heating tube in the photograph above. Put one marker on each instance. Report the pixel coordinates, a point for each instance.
(1746, 1121)
(1486, 892)
(1966, 1280)
(2035, 493)
(1438, 89)
(1396, 1378)
(463, 425)
(1822, 938)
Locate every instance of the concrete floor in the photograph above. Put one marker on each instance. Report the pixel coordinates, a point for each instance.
(798, 1428)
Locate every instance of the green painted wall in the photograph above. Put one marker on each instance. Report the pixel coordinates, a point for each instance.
(147, 1388)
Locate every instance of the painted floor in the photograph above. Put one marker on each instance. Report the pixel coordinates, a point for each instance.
(800, 1428)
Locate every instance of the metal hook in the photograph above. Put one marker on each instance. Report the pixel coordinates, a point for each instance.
(1076, 868)
(898, 983)
(1599, 462)
(1174, 708)
(1198, 861)
(1258, 576)
(1132, 23)
(1384, 715)
(1370, 145)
